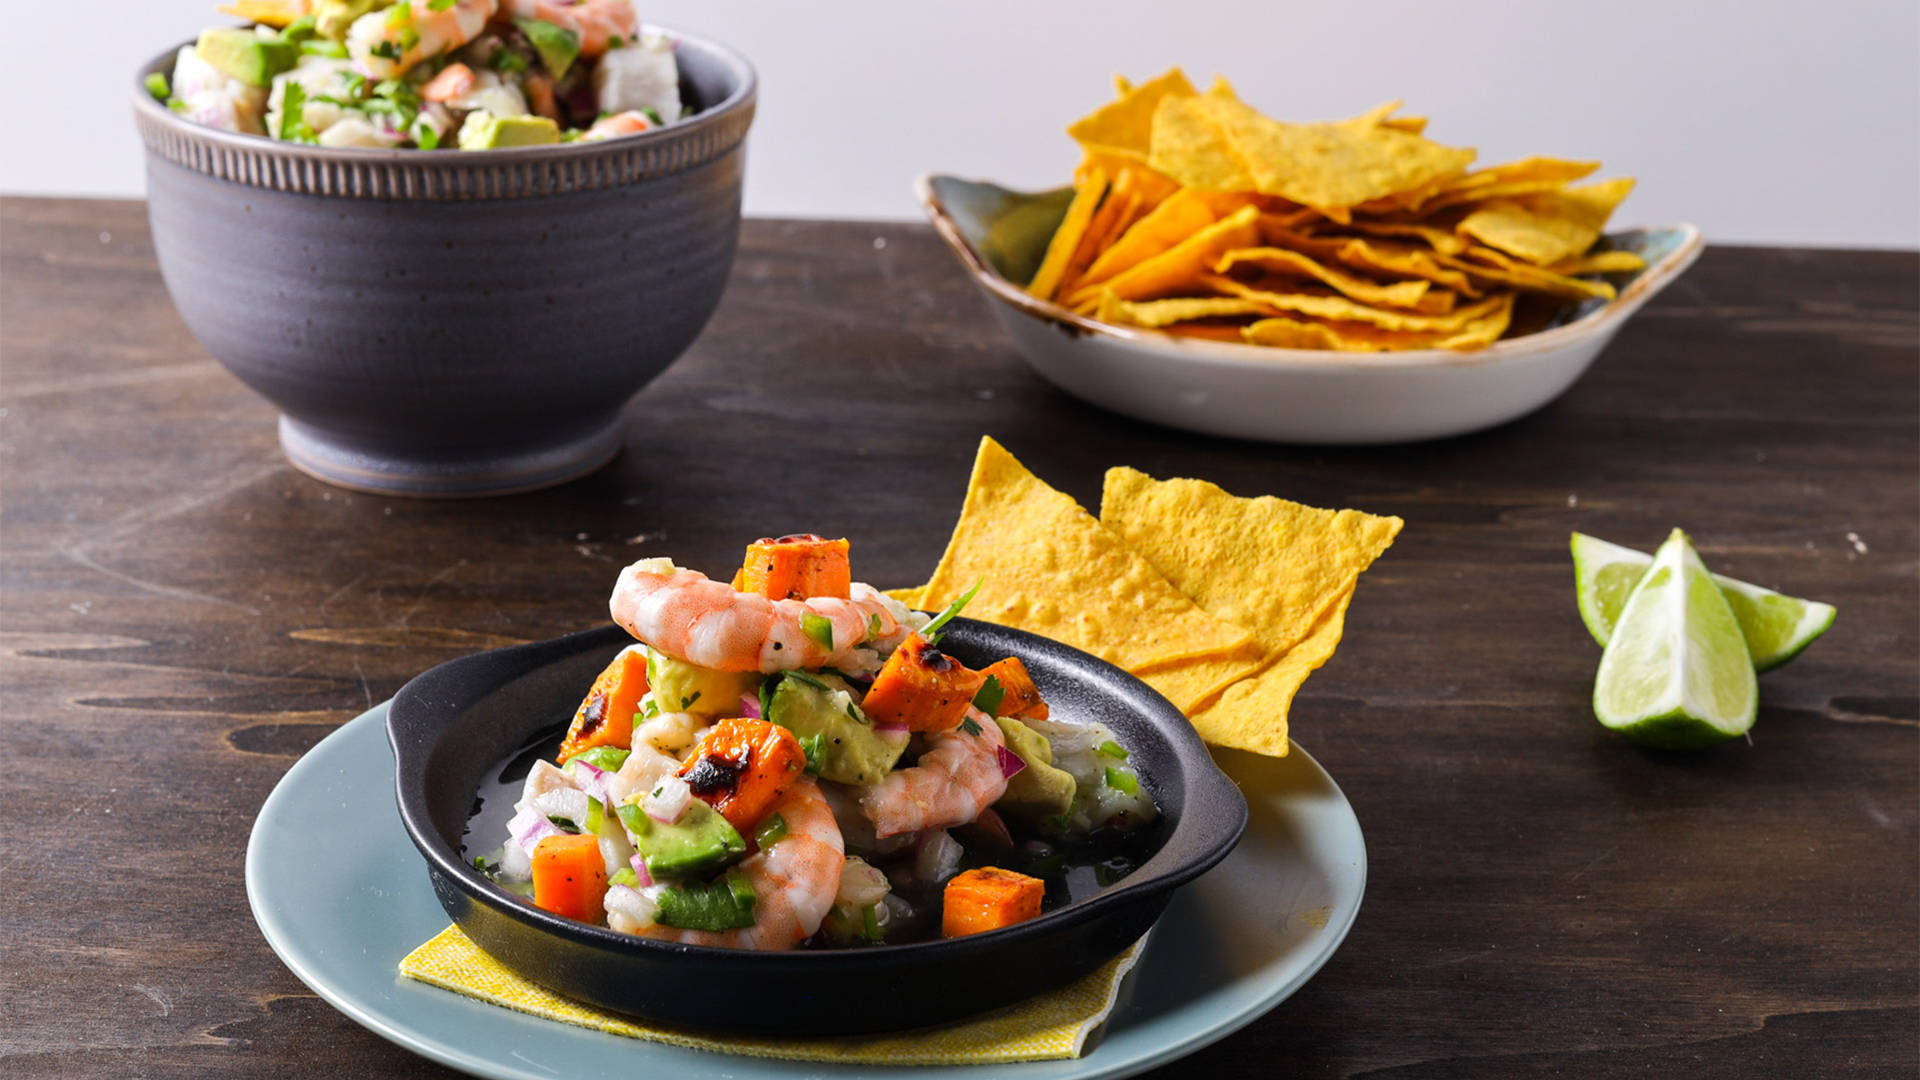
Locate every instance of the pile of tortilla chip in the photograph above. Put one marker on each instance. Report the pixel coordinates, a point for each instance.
(1223, 604)
(1195, 214)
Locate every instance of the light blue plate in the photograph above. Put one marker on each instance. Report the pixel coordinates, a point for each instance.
(342, 895)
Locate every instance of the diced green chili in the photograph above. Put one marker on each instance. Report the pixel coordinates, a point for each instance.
(608, 758)
(1113, 750)
(771, 831)
(1123, 780)
(157, 86)
(819, 628)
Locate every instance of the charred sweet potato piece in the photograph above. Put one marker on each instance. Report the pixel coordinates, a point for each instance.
(1022, 698)
(605, 717)
(742, 767)
(795, 567)
(987, 899)
(921, 687)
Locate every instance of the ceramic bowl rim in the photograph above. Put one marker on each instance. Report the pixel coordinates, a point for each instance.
(742, 97)
(1207, 790)
(1231, 355)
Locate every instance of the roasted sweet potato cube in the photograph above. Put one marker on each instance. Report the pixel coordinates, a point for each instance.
(742, 767)
(987, 899)
(1022, 699)
(570, 877)
(605, 717)
(795, 567)
(921, 687)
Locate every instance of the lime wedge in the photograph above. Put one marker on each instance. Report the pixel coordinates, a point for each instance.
(1776, 627)
(1676, 673)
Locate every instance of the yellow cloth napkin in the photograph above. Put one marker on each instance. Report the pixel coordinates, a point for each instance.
(1053, 1025)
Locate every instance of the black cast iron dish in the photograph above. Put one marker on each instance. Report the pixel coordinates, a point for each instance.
(452, 725)
(445, 322)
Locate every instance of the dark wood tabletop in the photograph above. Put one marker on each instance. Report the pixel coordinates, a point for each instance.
(184, 615)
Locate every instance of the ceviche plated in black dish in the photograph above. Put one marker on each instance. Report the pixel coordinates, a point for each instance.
(840, 846)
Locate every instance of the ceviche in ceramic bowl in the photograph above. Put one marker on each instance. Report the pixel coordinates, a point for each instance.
(794, 779)
(427, 74)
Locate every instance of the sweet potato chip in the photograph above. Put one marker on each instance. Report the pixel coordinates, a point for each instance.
(1066, 239)
(1285, 261)
(1050, 567)
(1547, 228)
(1125, 125)
(1184, 213)
(1180, 266)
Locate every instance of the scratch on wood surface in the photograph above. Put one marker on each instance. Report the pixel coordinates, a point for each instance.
(158, 997)
(338, 593)
(405, 637)
(154, 587)
(111, 380)
(421, 600)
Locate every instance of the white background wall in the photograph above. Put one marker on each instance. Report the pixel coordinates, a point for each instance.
(1764, 122)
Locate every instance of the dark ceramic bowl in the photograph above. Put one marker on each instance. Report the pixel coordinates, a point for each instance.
(454, 725)
(452, 323)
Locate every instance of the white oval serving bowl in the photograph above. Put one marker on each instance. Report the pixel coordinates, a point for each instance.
(1280, 395)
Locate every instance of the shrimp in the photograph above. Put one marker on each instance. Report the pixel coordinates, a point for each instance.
(796, 879)
(711, 625)
(609, 127)
(957, 777)
(595, 22)
(386, 43)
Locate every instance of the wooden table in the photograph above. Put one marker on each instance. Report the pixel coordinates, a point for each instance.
(184, 615)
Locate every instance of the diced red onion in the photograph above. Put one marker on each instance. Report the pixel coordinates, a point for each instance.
(750, 706)
(1010, 762)
(890, 725)
(639, 864)
(592, 779)
(938, 858)
(529, 827)
(667, 802)
(991, 822)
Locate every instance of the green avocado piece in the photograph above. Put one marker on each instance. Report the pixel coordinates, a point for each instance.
(821, 707)
(245, 55)
(558, 47)
(485, 131)
(698, 844)
(681, 687)
(1039, 790)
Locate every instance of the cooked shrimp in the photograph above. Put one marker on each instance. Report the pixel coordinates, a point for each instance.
(957, 777)
(387, 42)
(596, 22)
(796, 879)
(608, 127)
(711, 625)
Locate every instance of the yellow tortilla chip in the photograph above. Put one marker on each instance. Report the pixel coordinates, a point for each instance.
(1066, 239)
(1050, 567)
(1329, 306)
(1330, 167)
(1126, 125)
(1190, 148)
(1441, 240)
(1153, 314)
(910, 596)
(1412, 125)
(1099, 232)
(1285, 261)
(1489, 266)
(1252, 713)
(1152, 186)
(277, 13)
(1547, 228)
(1180, 266)
(1601, 262)
(1184, 213)
(1495, 315)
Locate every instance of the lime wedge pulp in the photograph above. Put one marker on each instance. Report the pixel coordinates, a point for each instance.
(1676, 673)
(1776, 627)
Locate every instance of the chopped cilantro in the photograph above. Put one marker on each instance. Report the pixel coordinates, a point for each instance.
(508, 61)
(990, 696)
(970, 726)
(439, 5)
(566, 826)
(653, 114)
(815, 747)
(386, 50)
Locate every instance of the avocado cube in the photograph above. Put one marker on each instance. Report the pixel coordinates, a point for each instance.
(245, 55)
(819, 705)
(1040, 790)
(558, 47)
(698, 844)
(485, 131)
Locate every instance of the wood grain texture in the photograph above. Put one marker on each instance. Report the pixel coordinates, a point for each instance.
(183, 615)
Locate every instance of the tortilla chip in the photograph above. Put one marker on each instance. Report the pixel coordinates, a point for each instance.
(1493, 317)
(1207, 330)
(1153, 314)
(1329, 306)
(1284, 261)
(1189, 147)
(1180, 266)
(1100, 230)
(1330, 167)
(1066, 239)
(1251, 714)
(1412, 125)
(1125, 125)
(1050, 567)
(1179, 217)
(1152, 186)
(910, 596)
(1547, 228)
(275, 13)
(1441, 240)
(1601, 262)
(1492, 267)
